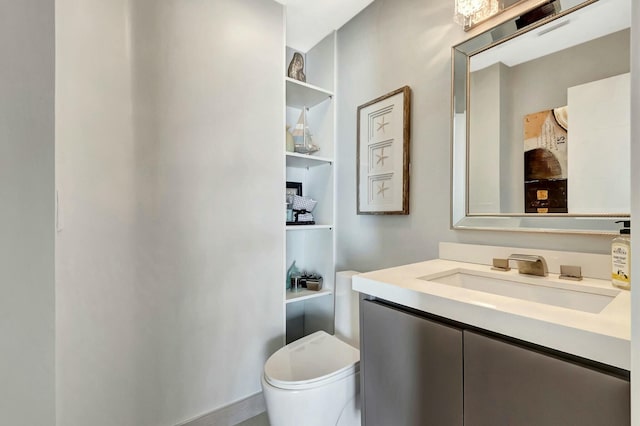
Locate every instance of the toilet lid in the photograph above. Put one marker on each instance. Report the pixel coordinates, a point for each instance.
(311, 361)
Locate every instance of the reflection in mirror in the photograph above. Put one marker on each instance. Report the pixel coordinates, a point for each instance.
(541, 123)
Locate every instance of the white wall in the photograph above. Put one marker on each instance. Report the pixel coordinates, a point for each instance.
(98, 308)
(170, 168)
(27, 374)
(390, 44)
(600, 135)
(635, 213)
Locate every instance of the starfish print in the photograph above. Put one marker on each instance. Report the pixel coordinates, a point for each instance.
(381, 125)
(381, 157)
(381, 189)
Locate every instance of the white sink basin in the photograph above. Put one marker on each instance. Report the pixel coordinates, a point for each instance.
(566, 294)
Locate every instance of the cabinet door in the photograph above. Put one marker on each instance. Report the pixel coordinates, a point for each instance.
(411, 369)
(506, 384)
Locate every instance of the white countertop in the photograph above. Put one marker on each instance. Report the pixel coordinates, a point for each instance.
(603, 337)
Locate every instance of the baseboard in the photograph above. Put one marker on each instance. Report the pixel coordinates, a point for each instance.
(232, 414)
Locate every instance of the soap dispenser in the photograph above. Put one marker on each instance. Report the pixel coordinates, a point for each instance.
(621, 257)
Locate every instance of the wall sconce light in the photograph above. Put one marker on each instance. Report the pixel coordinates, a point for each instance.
(470, 12)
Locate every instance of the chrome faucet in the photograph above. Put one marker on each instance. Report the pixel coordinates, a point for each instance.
(530, 264)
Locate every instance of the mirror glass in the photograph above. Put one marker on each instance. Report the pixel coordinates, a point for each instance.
(541, 121)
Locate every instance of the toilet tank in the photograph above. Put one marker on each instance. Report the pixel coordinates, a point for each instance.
(347, 317)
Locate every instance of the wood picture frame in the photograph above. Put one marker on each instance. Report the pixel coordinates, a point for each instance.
(382, 156)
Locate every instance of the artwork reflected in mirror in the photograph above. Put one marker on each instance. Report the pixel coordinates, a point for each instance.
(545, 161)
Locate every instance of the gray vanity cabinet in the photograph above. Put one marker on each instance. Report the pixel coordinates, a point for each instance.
(507, 384)
(418, 371)
(412, 369)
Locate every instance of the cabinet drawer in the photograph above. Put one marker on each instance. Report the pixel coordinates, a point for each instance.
(411, 369)
(507, 384)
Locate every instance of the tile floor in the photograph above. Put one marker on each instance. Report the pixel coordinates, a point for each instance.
(259, 420)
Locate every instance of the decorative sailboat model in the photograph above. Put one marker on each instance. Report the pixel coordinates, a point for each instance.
(303, 143)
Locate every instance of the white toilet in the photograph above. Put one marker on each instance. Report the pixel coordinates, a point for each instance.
(315, 381)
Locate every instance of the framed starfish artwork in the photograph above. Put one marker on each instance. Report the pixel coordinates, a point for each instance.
(383, 154)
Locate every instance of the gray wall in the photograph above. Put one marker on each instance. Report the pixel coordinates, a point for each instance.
(488, 103)
(389, 44)
(170, 167)
(27, 213)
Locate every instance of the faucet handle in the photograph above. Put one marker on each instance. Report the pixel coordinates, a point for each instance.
(570, 272)
(500, 264)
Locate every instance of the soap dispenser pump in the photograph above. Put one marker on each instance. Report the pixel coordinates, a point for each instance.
(621, 257)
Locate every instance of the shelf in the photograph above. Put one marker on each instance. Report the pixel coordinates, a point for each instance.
(305, 161)
(305, 294)
(307, 227)
(301, 94)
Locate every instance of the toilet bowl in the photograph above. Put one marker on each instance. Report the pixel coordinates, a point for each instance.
(315, 380)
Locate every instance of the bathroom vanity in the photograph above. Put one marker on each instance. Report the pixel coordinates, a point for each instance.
(452, 342)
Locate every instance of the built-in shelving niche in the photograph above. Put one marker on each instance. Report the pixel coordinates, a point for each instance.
(313, 246)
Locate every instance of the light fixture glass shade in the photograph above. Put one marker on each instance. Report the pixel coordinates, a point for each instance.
(469, 12)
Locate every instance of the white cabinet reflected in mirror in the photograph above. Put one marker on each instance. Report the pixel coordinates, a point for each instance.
(541, 121)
